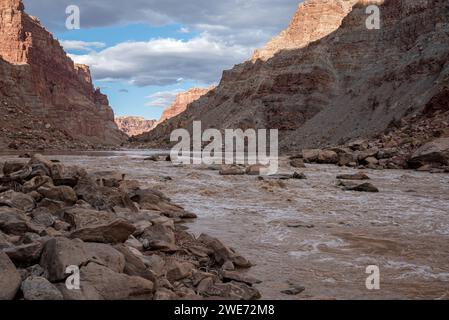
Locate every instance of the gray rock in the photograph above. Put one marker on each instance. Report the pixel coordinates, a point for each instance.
(118, 231)
(101, 283)
(39, 288)
(17, 200)
(159, 237)
(13, 221)
(9, 278)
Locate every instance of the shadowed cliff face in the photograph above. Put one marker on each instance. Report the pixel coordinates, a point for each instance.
(351, 83)
(37, 74)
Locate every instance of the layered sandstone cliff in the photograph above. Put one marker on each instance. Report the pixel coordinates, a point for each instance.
(351, 83)
(181, 102)
(37, 75)
(134, 126)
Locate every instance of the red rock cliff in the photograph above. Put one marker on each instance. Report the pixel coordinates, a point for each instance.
(134, 126)
(182, 101)
(51, 85)
(350, 83)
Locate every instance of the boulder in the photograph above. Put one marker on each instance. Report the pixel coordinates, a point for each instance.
(179, 270)
(297, 163)
(232, 170)
(80, 217)
(4, 241)
(117, 231)
(159, 237)
(106, 255)
(299, 176)
(39, 288)
(11, 167)
(134, 266)
(59, 193)
(59, 253)
(9, 278)
(27, 254)
(13, 221)
(43, 217)
(435, 152)
(345, 159)
(356, 176)
(36, 183)
(101, 283)
(327, 156)
(17, 200)
(310, 155)
(221, 253)
(365, 187)
(255, 169)
(103, 198)
(150, 199)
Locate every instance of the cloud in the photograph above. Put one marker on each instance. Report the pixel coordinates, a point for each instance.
(123, 91)
(161, 62)
(229, 31)
(81, 45)
(184, 30)
(162, 99)
(263, 18)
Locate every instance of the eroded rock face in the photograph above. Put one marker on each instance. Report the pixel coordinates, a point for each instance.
(182, 101)
(44, 92)
(333, 86)
(134, 126)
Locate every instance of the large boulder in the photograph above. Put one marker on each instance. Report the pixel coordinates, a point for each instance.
(9, 278)
(232, 170)
(81, 217)
(134, 266)
(223, 254)
(117, 231)
(101, 283)
(13, 221)
(59, 193)
(327, 156)
(59, 253)
(39, 288)
(310, 155)
(159, 237)
(17, 200)
(26, 254)
(435, 152)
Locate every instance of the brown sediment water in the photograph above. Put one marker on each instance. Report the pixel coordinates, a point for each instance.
(311, 232)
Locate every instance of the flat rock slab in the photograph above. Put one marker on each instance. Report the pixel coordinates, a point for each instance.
(117, 231)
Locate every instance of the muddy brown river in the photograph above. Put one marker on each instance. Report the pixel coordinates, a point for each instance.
(310, 232)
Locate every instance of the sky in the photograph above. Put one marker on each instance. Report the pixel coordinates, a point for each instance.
(144, 52)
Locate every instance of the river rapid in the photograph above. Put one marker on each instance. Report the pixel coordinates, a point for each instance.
(310, 232)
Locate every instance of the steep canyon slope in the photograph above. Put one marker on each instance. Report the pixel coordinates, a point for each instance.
(328, 79)
(56, 103)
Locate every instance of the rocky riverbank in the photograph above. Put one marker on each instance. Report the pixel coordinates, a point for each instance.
(128, 242)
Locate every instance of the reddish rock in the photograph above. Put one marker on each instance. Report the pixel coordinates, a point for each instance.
(134, 126)
(49, 95)
(182, 101)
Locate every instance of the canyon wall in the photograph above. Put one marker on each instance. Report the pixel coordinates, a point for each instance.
(38, 76)
(326, 89)
(181, 102)
(133, 126)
